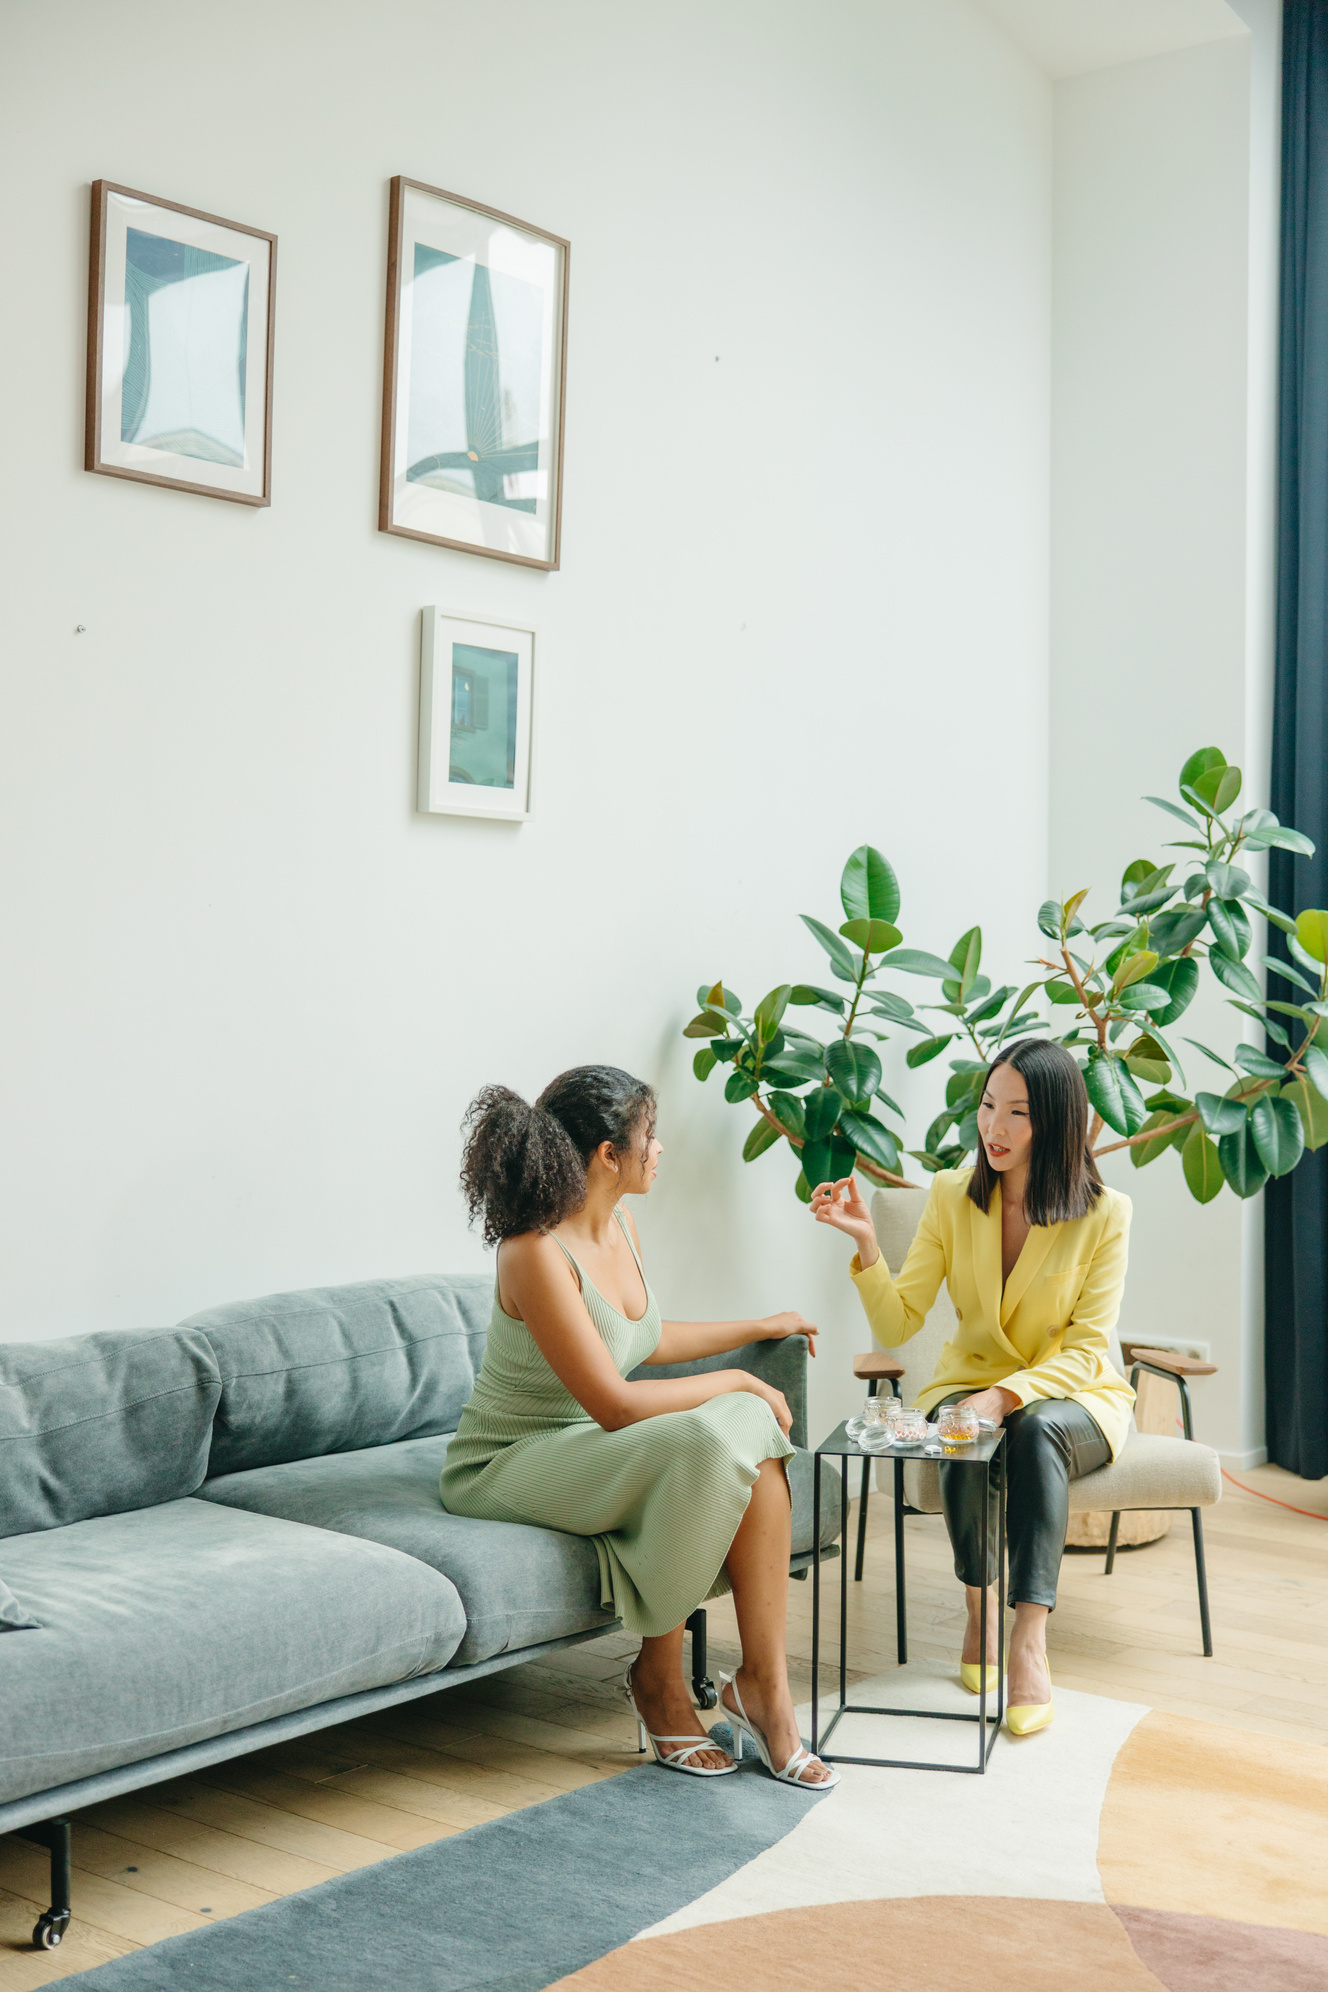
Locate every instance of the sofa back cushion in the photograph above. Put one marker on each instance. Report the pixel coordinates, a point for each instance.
(335, 1369)
(98, 1424)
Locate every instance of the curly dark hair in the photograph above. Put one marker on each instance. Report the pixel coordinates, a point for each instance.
(524, 1168)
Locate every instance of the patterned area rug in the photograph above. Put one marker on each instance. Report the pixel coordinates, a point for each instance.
(1120, 1851)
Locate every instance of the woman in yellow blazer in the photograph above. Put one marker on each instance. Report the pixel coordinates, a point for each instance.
(1032, 1245)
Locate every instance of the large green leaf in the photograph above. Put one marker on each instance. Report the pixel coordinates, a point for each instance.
(821, 1110)
(1257, 1063)
(1313, 1111)
(790, 1112)
(1217, 788)
(704, 1063)
(1231, 927)
(1133, 968)
(872, 936)
(965, 957)
(854, 1069)
(1180, 979)
(805, 994)
(1060, 991)
(868, 889)
(1172, 810)
(1115, 1095)
(762, 1136)
(1234, 976)
(1145, 996)
(707, 1024)
(884, 1003)
(769, 1011)
(796, 1066)
(1049, 919)
(1241, 1163)
(1278, 837)
(827, 1161)
(1316, 1067)
(1148, 1151)
(922, 1054)
(871, 1138)
(1202, 1166)
(1277, 1134)
(916, 961)
(739, 1086)
(1200, 763)
(1220, 1116)
(1312, 932)
(725, 998)
(1176, 928)
(841, 957)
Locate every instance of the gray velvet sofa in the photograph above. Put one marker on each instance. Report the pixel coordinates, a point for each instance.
(217, 1536)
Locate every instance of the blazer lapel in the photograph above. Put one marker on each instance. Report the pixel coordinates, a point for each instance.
(1025, 1268)
(986, 1238)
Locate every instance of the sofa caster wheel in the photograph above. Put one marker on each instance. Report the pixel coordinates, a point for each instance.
(50, 1930)
(706, 1694)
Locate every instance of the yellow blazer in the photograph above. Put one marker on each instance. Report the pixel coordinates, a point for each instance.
(1047, 1335)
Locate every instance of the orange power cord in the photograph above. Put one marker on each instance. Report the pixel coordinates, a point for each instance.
(1312, 1513)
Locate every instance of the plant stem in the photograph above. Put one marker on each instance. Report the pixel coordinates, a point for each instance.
(868, 1168)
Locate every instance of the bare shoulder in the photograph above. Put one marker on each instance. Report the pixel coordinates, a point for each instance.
(533, 1261)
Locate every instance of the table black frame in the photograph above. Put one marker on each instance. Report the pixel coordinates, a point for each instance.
(977, 1456)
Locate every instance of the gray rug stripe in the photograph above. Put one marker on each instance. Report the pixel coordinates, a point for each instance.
(507, 1907)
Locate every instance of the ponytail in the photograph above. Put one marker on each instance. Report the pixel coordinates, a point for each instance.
(524, 1168)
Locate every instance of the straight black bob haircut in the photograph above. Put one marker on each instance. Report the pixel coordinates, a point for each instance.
(1063, 1179)
(524, 1168)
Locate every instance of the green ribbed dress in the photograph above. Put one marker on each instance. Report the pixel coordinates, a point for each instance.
(662, 1498)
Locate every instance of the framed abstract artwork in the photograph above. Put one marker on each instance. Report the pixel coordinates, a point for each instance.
(477, 698)
(473, 377)
(180, 325)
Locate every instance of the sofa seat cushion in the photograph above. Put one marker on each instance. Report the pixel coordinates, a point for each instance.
(1150, 1472)
(519, 1585)
(165, 1625)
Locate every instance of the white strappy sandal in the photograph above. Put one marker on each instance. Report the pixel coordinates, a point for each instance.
(676, 1760)
(802, 1756)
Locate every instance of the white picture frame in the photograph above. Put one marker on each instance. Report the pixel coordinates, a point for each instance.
(477, 705)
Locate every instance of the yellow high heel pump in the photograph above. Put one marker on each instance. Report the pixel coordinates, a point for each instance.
(1028, 1717)
(970, 1673)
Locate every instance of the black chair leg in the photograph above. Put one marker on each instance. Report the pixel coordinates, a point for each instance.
(1111, 1543)
(707, 1695)
(53, 1922)
(901, 1603)
(872, 1387)
(1201, 1572)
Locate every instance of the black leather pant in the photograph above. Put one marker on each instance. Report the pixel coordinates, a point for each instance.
(1048, 1444)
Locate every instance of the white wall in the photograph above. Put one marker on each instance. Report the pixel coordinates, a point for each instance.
(1161, 561)
(803, 604)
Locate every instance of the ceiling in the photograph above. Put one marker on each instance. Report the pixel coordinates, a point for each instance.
(1068, 37)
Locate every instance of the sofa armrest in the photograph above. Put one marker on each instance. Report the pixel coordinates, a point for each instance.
(781, 1364)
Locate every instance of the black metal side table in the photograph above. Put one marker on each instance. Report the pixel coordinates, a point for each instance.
(975, 1458)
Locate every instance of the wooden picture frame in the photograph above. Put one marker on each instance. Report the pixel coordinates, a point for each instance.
(477, 717)
(200, 377)
(470, 459)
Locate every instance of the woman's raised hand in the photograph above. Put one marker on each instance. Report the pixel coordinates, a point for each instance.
(841, 1204)
(775, 1327)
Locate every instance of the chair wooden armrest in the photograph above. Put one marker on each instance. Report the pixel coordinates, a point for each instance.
(876, 1363)
(1167, 1359)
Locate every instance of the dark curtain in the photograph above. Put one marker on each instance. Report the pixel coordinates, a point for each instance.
(1296, 1253)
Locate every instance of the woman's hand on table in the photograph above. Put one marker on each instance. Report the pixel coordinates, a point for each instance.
(777, 1327)
(841, 1205)
(994, 1403)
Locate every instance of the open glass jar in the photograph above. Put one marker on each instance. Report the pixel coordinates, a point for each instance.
(957, 1426)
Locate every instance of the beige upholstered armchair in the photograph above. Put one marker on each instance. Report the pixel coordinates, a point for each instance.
(1151, 1472)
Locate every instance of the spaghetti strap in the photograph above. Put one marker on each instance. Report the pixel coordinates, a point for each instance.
(618, 1213)
(580, 1276)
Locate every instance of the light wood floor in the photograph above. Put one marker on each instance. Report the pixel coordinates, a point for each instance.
(187, 1853)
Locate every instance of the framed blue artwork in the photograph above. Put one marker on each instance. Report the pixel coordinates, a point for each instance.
(477, 700)
(181, 315)
(474, 368)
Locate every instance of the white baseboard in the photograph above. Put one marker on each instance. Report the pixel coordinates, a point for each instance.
(1239, 1462)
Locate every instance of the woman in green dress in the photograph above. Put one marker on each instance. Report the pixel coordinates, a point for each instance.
(681, 1480)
